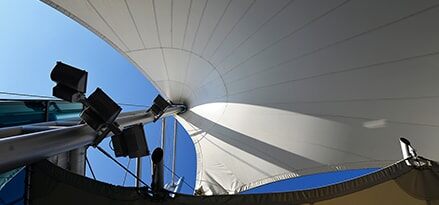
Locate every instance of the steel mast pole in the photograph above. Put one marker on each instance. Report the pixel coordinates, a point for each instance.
(23, 149)
(163, 140)
(162, 145)
(174, 149)
(139, 172)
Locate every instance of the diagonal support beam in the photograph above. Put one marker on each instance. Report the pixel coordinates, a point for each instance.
(24, 149)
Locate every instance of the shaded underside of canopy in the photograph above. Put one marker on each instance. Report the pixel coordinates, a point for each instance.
(396, 184)
(282, 88)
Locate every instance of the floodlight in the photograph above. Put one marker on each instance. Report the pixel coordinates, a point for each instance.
(161, 102)
(100, 110)
(119, 145)
(131, 142)
(156, 111)
(159, 107)
(71, 82)
(92, 119)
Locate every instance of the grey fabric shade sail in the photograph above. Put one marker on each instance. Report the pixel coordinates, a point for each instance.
(279, 88)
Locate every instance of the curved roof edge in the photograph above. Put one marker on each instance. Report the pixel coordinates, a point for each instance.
(395, 182)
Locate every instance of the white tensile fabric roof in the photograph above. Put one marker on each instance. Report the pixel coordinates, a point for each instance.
(280, 88)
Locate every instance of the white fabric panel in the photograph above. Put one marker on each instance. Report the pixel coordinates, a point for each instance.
(278, 88)
(163, 13)
(290, 21)
(151, 62)
(232, 16)
(176, 59)
(251, 22)
(143, 15)
(196, 12)
(180, 14)
(90, 18)
(209, 23)
(116, 14)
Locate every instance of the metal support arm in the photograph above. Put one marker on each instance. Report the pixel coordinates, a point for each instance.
(24, 149)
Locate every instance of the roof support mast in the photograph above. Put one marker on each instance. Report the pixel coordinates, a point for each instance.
(139, 172)
(22, 149)
(174, 144)
(163, 139)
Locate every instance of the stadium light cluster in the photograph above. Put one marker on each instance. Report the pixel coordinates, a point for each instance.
(100, 111)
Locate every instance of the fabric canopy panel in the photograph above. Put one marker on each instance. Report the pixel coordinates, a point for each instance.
(278, 89)
(396, 184)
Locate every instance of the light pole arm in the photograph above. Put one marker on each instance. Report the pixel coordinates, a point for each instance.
(24, 149)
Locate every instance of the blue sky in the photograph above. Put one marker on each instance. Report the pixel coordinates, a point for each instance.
(33, 36)
(32, 40)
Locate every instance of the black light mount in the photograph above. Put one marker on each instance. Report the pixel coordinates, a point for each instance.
(71, 82)
(159, 107)
(100, 114)
(131, 142)
(100, 111)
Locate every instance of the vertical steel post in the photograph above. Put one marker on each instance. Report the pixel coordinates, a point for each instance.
(160, 165)
(174, 150)
(162, 145)
(77, 160)
(139, 172)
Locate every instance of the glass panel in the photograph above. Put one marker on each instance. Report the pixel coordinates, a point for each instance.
(60, 110)
(13, 112)
(21, 112)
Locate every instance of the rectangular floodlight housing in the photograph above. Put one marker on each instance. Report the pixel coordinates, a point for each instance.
(69, 76)
(131, 142)
(136, 141)
(159, 107)
(119, 146)
(71, 82)
(92, 119)
(101, 110)
(161, 103)
(156, 110)
(66, 93)
(103, 105)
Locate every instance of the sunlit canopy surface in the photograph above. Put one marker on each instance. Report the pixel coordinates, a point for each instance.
(279, 88)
